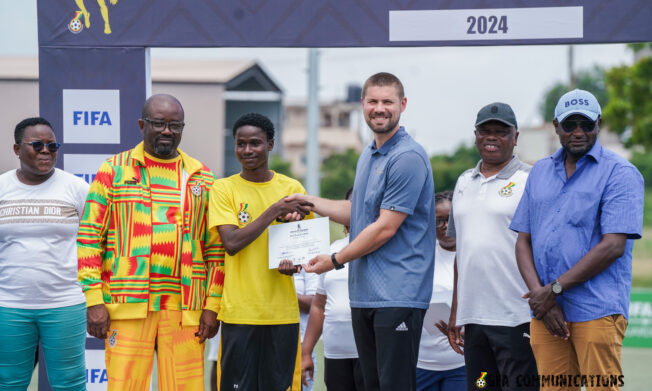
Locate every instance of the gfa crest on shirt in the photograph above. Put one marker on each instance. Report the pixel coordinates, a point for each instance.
(243, 215)
(112, 338)
(506, 191)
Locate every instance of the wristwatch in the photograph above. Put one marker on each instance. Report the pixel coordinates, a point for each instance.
(337, 265)
(556, 287)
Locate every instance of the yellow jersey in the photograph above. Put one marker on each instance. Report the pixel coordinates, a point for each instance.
(253, 294)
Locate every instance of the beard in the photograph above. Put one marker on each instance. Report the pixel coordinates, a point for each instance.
(578, 152)
(391, 124)
(165, 149)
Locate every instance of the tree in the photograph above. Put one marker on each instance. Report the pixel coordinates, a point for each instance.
(279, 165)
(338, 174)
(338, 170)
(447, 168)
(630, 104)
(591, 80)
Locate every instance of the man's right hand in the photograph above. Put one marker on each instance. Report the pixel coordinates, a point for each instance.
(555, 322)
(307, 368)
(98, 321)
(455, 335)
(288, 208)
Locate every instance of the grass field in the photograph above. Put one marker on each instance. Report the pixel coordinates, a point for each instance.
(642, 254)
(642, 260)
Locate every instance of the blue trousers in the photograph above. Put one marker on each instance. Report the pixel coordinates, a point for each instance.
(450, 380)
(62, 333)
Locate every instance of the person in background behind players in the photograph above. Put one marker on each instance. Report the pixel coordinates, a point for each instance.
(306, 286)
(439, 367)
(330, 317)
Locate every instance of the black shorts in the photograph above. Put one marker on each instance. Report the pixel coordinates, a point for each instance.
(343, 374)
(258, 357)
(503, 352)
(387, 340)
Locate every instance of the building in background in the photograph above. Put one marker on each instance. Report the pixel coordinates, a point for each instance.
(340, 128)
(213, 93)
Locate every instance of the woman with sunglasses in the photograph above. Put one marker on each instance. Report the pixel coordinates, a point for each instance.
(40, 298)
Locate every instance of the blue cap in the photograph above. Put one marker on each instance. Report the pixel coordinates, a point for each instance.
(577, 102)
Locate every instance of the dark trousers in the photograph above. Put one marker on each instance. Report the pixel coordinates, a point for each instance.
(258, 357)
(504, 353)
(343, 374)
(387, 340)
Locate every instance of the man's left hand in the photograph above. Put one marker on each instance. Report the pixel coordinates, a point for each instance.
(541, 300)
(319, 264)
(208, 325)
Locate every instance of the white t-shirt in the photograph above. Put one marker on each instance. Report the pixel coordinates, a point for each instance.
(489, 285)
(305, 284)
(337, 331)
(38, 241)
(435, 353)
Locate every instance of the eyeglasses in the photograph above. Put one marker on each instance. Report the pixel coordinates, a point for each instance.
(441, 221)
(569, 126)
(160, 125)
(38, 146)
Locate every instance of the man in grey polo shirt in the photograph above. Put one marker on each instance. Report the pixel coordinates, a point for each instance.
(488, 287)
(392, 220)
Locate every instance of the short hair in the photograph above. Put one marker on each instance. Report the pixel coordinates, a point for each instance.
(349, 192)
(443, 196)
(255, 119)
(19, 131)
(148, 102)
(383, 79)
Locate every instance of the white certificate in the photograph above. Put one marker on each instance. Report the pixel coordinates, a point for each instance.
(439, 309)
(298, 241)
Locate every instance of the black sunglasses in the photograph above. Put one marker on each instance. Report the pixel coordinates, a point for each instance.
(569, 126)
(38, 146)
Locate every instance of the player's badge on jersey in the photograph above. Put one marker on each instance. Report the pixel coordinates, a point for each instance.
(243, 215)
(506, 191)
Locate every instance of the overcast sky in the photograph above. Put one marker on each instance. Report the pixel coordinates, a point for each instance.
(445, 86)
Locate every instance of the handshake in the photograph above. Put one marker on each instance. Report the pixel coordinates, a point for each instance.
(293, 208)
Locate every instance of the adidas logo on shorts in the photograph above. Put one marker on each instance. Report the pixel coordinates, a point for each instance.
(401, 327)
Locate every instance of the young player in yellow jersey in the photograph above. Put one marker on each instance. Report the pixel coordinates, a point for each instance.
(258, 309)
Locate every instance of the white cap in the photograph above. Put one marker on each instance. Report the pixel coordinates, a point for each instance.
(577, 102)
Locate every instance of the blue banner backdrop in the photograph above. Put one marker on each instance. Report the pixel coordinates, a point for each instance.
(93, 97)
(326, 23)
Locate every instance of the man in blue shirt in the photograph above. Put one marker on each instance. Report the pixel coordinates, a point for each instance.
(391, 215)
(576, 222)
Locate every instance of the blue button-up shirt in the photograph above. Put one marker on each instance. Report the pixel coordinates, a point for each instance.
(398, 177)
(567, 217)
